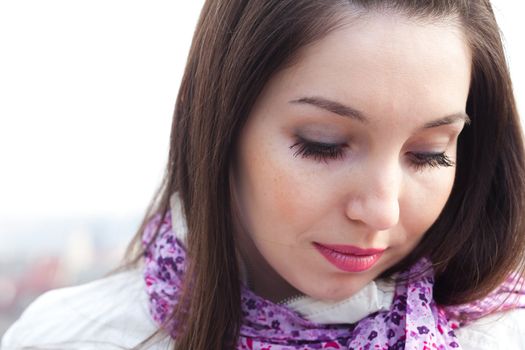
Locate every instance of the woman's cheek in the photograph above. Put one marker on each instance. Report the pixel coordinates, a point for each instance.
(290, 193)
(286, 191)
(428, 199)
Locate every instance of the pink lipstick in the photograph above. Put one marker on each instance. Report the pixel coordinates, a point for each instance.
(349, 258)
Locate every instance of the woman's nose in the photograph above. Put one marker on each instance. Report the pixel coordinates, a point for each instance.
(375, 199)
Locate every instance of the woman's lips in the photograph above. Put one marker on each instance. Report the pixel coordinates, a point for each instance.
(349, 258)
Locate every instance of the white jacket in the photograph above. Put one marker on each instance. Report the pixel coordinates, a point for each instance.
(112, 313)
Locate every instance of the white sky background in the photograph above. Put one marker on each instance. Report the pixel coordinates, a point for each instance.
(87, 90)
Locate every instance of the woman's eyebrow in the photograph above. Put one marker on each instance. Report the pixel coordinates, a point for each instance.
(334, 107)
(350, 112)
(449, 119)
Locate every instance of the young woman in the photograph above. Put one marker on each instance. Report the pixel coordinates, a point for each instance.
(342, 175)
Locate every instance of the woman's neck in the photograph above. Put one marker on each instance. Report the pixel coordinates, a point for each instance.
(261, 278)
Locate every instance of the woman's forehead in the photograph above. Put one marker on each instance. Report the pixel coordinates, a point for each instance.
(383, 65)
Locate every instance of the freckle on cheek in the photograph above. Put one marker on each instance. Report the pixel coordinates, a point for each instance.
(281, 193)
(284, 198)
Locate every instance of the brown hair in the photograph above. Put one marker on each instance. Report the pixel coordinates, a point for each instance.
(238, 45)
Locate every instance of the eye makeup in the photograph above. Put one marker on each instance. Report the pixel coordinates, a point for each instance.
(319, 151)
(325, 152)
(323, 132)
(430, 160)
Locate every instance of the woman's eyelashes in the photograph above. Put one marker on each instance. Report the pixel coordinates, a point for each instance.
(324, 152)
(430, 160)
(319, 151)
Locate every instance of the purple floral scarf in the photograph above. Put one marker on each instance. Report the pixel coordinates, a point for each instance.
(414, 321)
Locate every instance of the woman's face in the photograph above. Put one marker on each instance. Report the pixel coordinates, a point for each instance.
(347, 157)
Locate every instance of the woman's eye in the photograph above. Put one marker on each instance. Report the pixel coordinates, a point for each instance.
(430, 160)
(319, 151)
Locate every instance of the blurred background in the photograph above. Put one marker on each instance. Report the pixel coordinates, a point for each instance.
(87, 90)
